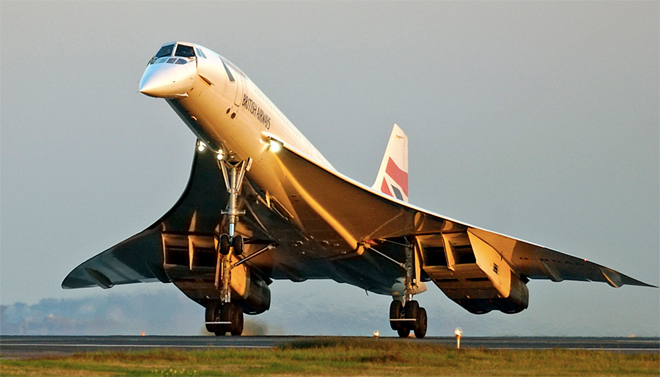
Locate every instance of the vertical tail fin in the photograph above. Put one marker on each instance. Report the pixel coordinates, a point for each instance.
(392, 178)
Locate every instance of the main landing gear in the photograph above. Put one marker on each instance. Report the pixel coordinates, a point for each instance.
(410, 317)
(405, 314)
(224, 316)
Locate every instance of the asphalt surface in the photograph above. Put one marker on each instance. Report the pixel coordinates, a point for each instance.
(43, 346)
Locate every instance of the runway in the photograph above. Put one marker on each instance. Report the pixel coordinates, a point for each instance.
(43, 346)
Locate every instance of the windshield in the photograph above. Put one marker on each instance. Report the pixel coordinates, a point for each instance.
(165, 51)
(185, 51)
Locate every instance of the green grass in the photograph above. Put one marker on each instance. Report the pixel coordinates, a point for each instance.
(342, 357)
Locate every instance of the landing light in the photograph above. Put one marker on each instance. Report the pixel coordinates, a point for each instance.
(221, 154)
(201, 146)
(274, 145)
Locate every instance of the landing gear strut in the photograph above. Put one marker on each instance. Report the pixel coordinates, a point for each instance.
(405, 314)
(233, 174)
(224, 316)
(408, 317)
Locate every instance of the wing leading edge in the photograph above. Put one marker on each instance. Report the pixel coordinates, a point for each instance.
(141, 259)
(360, 213)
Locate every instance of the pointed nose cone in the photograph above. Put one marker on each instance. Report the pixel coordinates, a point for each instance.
(155, 84)
(168, 80)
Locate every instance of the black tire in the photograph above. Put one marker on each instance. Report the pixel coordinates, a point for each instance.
(211, 311)
(232, 313)
(403, 331)
(211, 316)
(223, 245)
(396, 308)
(412, 308)
(227, 312)
(237, 322)
(420, 324)
(237, 243)
(227, 315)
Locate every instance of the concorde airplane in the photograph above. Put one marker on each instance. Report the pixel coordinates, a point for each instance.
(262, 204)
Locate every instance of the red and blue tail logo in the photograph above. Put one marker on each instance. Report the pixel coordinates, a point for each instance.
(392, 178)
(398, 181)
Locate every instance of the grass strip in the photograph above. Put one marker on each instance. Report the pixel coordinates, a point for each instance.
(341, 357)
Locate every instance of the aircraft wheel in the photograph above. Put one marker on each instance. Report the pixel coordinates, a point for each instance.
(237, 322)
(237, 243)
(412, 308)
(232, 313)
(213, 315)
(210, 316)
(403, 331)
(420, 324)
(223, 245)
(396, 308)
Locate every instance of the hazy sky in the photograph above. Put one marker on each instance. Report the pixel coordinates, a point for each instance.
(534, 119)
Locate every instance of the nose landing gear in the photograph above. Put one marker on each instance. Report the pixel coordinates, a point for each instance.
(226, 242)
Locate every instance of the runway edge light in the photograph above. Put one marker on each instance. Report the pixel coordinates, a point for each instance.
(458, 333)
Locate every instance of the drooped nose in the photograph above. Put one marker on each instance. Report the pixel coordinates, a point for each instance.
(171, 78)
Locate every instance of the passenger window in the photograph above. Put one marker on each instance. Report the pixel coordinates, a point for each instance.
(185, 51)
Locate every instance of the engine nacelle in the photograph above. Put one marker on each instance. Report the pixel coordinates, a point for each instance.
(517, 301)
(256, 299)
(473, 274)
(248, 290)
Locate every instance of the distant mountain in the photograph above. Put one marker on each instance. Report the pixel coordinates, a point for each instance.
(163, 310)
(314, 308)
(112, 313)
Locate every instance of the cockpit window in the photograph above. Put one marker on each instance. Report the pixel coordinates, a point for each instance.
(185, 51)
(165, 51)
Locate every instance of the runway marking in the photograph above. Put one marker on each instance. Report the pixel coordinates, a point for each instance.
(126, 345)
(623, 349)
(36, 346)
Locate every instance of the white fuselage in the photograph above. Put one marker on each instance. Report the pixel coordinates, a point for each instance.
(227, 111)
